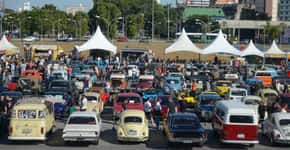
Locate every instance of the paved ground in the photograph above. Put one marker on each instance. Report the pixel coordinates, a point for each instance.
(108, 141)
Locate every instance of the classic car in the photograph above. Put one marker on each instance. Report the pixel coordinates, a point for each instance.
(83, 126)
(29, 85)
(145, 82)
(177, 75)
(276, 128)
(132, 126)
(61, 101)
(253, 102)
(65, 86)
(205, 105)
(118, 81)
(151, 94)
(189, 99)
(172, 84)
(222, 86)
(31, 73)
(95, 104)
(237, 93)
(59, 75)
(131, 100)
(184, 128)
(268, 97)
(231, 76)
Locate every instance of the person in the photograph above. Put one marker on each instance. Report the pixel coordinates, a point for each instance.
(157, 113)
(72, 109)
(148, 111)
(182, 104)
(284, 109)
(124, 105)
(84, 103)
(172, 108)
(194, 87)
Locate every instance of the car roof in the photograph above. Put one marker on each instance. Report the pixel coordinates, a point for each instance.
(281, 115)
(252, 97)
(129, 94)
(182, 114)
(133, 112)
(234, 106)
(83, 114)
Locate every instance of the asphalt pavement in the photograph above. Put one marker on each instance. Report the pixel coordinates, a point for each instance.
(108, 141)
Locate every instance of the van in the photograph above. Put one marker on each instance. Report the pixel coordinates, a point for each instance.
(235, 122)
(32, 119)
(266, 76)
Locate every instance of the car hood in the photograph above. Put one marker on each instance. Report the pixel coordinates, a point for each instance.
(80, 128)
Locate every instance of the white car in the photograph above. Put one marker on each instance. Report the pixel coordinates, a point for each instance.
(83, 126)
(277, 128)
(237, 93)
(31, 39)
(253, 102)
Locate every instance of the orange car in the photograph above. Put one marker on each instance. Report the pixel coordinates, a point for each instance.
(265, 76)
(33, 73)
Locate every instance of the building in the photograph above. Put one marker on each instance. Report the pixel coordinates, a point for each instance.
(226, 2)
(284, 10)
(261, 5)
(197, 3)
(26, 6)
(74, 9)
(269, 7)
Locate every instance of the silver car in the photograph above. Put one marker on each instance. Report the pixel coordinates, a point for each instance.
(82, 126)
(277, 128)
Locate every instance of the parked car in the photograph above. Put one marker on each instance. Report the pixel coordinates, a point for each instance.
(31, 39)
(132, 126)
(205, 105)
(61, 101)
(222, 87)
(94, 102)
(65, 86)
(237, 93)
(172, 84)
(122, 39)
(184, 128)
(253, 102)
(83, 126)
(276, 128)
(145, 82)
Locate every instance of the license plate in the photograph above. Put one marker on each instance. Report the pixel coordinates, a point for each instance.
(26, 131)
(187, 141)
(132, 132)
(241, 136)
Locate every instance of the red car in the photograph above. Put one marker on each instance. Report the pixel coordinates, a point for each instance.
(285, 100)
(131, 100)
(145, 82)
(164, 104)
(122, 39)
(31, 73)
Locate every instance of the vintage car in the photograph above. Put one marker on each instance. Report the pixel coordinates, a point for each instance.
(276, 128)
(185, 96)
(59, 75)
(253, 102)
(205, 105)
(190, 70)
(32, 119)
(266, 76)
(252, 81)
(65, 86)
(131, 100)
(231, 76)
(132, 126)
(184, 128)
(83, 126)
(61, 102)
(269, 96)
(29, 85)
(177, 75)
(222, 86)
(118, 81)
(151, 94)
(173, 84)
(32, 73)
(94, 102)
(237, 93)
(145, 82)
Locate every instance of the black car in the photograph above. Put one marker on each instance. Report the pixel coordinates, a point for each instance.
(65, 86)
(184, 128)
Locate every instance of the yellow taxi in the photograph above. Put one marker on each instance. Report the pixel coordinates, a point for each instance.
(132, 126)
(222, 86)
(32, 119)
(95, 104)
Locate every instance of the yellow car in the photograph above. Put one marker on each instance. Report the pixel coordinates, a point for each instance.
(132, 126)
(94, 102)
(32, 119)
(267, 94)
(186, 97)
(222, 87)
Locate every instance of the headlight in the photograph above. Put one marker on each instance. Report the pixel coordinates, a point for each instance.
(277, 134)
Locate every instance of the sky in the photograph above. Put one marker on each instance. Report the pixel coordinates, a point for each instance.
(60, 4)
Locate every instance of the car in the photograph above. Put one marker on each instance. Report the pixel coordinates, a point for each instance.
(177, 75)
(189, 99)
(184, 128)
(151, 94)
(205, 105)
(31, 39)
(133, 71)
(131, 100)
(83, 126)
(222, 87)
(231, 76)
(237, 93)
(253, 102)
(145, 82)
(59, 75)
(172, 84)
(122, 39)
(94, 102)
(269, 96)
(65, 86)
(61, 101)
(32, 73)
(118, 81)
(276, 128)
(132, 126)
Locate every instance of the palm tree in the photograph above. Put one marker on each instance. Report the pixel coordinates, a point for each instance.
(272, 31)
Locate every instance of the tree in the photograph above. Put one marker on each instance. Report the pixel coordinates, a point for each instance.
(272, 31)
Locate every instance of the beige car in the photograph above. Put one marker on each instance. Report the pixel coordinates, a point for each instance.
(95, 104)
(32, 119)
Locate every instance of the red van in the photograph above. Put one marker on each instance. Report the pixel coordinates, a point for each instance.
(235, 122)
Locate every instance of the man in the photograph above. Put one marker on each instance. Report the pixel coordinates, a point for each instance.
(157, 113)
(84, 103)
(172, 108)
(148, 111)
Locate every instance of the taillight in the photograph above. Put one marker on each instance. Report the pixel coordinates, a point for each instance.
(42, 130)
(10, 130)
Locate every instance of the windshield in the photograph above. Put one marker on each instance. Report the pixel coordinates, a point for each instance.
(82, 120)
(26, 114)
(252, 102)
(91, 98)
(185, 123)
(128, 99)
(284, 122)
(267, 74)
(238, 93)
(59, 84)
(270, 95)
(133, 120)
(209, 99)
(171, 81)
(99, 84)
(223, 84)
(241, 119)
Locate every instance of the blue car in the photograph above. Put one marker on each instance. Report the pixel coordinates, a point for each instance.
(151, 94)
(60, 108)
(173, 84)
(205, 105)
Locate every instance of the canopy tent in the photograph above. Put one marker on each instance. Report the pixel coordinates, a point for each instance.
(221, 45)
(183, 43)
(274, 50)
(252, 50)
(7, 47)
(98, 41)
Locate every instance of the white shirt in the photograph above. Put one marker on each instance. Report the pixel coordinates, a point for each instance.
(84, 103)
(147, 106)
(158, 106)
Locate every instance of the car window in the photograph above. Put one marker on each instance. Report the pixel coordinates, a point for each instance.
(132, 119)
(269, 95)
(129, 99)
(91, 98)
(241, 119)
(185, 123)
(238, 93)
(284, 122)
(26, 114)
(82, 120)
(267, 74)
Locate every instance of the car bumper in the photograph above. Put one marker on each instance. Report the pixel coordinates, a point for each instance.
(79, 138)
(281, 141)
(133, 139)
(27, 138)
(187, 140)
(240, 141)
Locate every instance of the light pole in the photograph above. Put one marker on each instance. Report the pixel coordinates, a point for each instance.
(152, 19)
(168, 22)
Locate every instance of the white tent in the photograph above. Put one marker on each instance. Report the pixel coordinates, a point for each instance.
(274, 50)
(221, 45)
(183, 43)
(252, 50)
(98, 41)
(5, 45)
